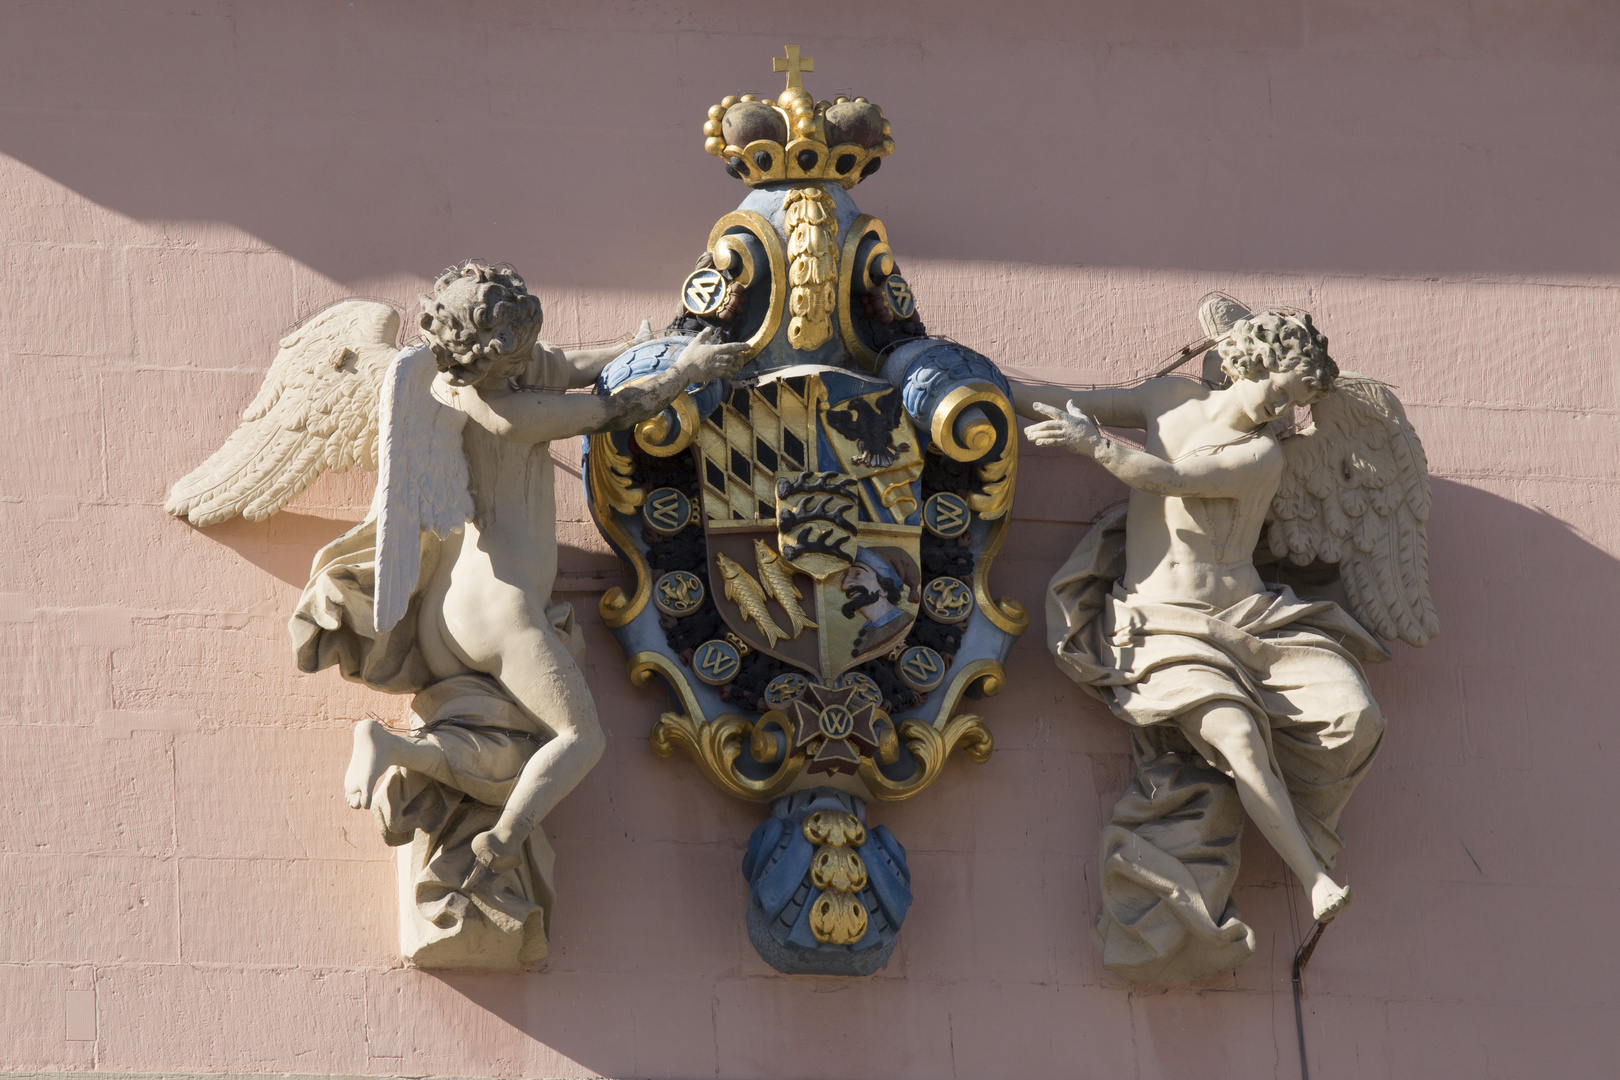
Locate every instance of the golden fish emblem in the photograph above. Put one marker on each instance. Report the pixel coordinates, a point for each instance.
(778, 582)
(748, 596)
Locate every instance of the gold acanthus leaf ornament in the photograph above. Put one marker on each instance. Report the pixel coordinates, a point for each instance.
(930, 746)
(837, 916)
(611, 474)
(811, 220)
(613, 491)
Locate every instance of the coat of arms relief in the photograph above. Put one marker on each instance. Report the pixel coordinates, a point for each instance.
(811, 540)
(808, 493)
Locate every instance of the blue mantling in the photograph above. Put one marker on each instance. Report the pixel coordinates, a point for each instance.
(649, 358)
(777, 867)
(928, 369)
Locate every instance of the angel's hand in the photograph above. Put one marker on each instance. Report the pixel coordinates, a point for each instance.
(644, 332)
(1071, 429)
(703, 360)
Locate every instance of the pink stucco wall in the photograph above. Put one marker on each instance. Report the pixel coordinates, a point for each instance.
(181, 885)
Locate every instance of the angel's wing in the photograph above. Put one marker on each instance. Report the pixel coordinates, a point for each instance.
(316, 411)
(422, 483)
(1356, 492)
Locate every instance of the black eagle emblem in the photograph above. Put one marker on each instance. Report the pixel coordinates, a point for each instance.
(869, 422)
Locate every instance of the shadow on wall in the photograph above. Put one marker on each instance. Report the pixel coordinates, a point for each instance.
(1260, 140)
(1514, 581)
(282, 546)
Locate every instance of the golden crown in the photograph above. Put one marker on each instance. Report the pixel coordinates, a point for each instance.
(797, 137)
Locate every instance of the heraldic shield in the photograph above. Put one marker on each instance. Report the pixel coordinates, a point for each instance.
(810, 492)
(809, 544)
(804, 546)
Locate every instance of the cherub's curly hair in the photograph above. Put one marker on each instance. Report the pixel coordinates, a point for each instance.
(1278, 340)
(479, 311)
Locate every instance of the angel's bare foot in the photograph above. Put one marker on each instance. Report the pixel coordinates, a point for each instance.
(1328, 899)
(366, 764)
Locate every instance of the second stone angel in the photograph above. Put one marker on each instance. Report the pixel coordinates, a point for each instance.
(1241, 695)
(444, 591)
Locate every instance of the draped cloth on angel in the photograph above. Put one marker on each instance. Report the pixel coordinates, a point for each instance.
(1170, 856)
(485, 740)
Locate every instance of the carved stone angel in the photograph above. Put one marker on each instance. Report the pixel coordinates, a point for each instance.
(444, 590)
(1240, 694)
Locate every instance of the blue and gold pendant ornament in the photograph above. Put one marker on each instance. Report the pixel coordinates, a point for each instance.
(810, 543)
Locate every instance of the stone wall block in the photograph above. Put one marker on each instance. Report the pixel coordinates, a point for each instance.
(272, 793)
(60, 667)
(77, 304)
(226, 671)
(161, 424)
(1175, 1034)
(687, 899)
(453, 1024)
(1056, 1046)
(191, 312)
(890, 1026)
(301, 1020)
(651, 801)
(33, 1025)
(61, 463)
(73, 792)
(309, 913)
(1433, 1037)
(967, 921)
(100, 909)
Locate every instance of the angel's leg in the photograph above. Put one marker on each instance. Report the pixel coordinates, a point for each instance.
(1230, 730)
(499, 628)
(375, 750)
(540, 674)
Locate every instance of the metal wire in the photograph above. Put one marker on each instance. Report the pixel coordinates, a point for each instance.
(1301, 958)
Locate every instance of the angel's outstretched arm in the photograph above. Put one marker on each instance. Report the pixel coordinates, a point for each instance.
(1125, 407)
(531, 418)
(582, 366)
(1225, 475)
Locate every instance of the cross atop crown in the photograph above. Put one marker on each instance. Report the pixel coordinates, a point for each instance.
(797, 137)
(794, 65)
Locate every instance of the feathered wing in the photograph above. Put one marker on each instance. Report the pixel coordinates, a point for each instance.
(422, 483)
(1355, 491)
(315, 412)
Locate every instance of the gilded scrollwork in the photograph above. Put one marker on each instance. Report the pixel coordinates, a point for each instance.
(775, 265)
(930, 746)
(660, 438)
(732, 257)
(1005, 612)
(715, 745)
(613, 491)
(861, 274)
